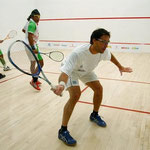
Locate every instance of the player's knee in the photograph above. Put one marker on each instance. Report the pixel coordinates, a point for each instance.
(76, 96)
(1, 56)
(98, 89)
(41, 63)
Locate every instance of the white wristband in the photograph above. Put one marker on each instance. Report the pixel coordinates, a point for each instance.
(63, 83)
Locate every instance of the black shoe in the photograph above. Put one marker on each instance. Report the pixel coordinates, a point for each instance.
(2, 76)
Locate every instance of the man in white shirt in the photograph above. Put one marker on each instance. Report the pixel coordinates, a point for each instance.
(79, 65)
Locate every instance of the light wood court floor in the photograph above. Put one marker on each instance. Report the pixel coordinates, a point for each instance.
(29, 120)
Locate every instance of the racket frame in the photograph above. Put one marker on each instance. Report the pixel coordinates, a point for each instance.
(49, 55)
(39, 67)
(8, 37)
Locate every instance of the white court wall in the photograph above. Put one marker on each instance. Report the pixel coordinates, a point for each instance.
(13, 15)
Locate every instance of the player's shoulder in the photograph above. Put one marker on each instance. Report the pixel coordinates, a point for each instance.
(32, 23)
(82, 48)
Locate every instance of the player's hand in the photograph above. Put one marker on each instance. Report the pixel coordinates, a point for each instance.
(58, 90)
(35, 51)
(1, 41)
(125, 69)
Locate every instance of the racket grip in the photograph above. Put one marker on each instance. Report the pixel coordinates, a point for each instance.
(53, 88)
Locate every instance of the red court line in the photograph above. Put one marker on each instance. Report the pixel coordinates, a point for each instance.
(52, 72)
(120, 43)
(98, 77)
(11, 78)
(114, 107)
(125, 80)
(112, 79)
(64, 41)
(99, 18)
(121, 108)
(84, 89)
(130, 43)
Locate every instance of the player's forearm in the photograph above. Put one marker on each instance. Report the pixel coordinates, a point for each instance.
(115, 61)
(30, 39)
(63, 77)
(1, 41)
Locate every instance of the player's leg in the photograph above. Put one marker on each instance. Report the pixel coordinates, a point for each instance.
(33, 69)
(98, 93)
(74, 93)
(33, 82)
(40, 58)
(2, 60)
(92, 81)
(41, 62)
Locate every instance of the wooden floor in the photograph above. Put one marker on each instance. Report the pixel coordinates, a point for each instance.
(29, 120)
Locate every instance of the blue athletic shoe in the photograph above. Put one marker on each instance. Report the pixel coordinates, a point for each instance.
(66, 138)
(97, 119)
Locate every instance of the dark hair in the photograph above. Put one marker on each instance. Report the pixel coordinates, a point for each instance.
(34, 12)
(98, 33)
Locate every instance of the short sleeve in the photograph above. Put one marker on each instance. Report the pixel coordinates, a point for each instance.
(31, 27)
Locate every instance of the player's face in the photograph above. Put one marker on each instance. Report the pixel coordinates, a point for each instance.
(101, 44)
(36, 18)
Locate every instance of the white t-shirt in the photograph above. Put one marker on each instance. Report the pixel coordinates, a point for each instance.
(31, 27)
(82, 61)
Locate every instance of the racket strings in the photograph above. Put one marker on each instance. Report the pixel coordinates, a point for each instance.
(12, 34)
(23, 58)
(56, 56)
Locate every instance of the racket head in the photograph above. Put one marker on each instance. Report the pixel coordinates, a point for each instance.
(56, 56)
(12, 34)
(23, 58)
